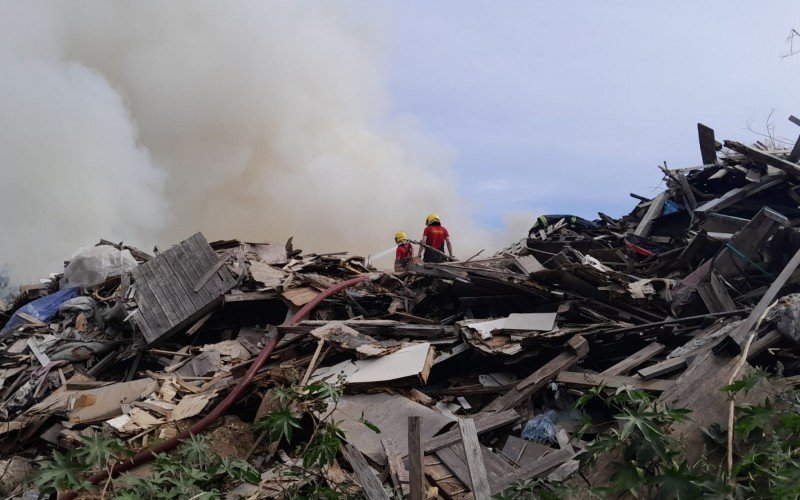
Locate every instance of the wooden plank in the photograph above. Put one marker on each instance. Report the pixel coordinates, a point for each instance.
(636, 359)
(578, 379)
(397, 470)
(191, 275)
(767, 299)
(146, 300)
(454, 463)
(708, 151)
(444, 479)
(199, 323)
(479, 482)
(653, 212)
(183, 279)
(30, 319)
(194, 245)
(667, 366)
(176, 293)
(795, 154)
(416, 472)
(790, 168)
(249, 296)
(139, 320)
(190, 258)
(735, 195)
(532, 384)
(484, 422)
(373, 488)
(762, 344)
(544, 464)
(748, 241)
(159, 294)
(226, 280)
(687, 191)
(201, 283)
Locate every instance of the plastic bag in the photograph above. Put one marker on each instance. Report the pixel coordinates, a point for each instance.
(541, 428)
(42, 309)
(92, 265)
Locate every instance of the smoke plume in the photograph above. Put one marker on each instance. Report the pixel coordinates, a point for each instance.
(147, 121)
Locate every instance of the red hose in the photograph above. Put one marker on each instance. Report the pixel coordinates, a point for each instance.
(219, 410)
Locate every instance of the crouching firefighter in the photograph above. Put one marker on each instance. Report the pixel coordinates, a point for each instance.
(434, 239)
(404, 255)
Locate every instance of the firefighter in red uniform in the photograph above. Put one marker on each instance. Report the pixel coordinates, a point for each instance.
(436, 237)
(404, 254)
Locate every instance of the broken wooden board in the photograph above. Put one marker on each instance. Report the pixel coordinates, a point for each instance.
(94, 405)
(790, 168)
(365, 476)
(708, 149)
(537, 468)
(389, 412)
(653, 212)
(636, 359)
(165, 296)
(533, 383)
(414, 360)
(484, 422)
(578, 379)
(300, 296)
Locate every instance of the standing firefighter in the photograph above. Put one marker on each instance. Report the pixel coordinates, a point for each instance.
(435, 236)
(405, 252)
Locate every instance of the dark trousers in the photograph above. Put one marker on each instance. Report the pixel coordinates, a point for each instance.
(432, 256)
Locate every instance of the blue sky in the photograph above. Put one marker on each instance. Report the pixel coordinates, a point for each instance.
(569, 106)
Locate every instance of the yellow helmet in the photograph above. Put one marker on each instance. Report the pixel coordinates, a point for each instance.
(433, 217)
(400, 236)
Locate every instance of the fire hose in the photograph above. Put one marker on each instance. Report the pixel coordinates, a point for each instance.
(218, 411)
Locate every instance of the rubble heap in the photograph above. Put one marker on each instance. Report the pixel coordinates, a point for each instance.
(456, 379)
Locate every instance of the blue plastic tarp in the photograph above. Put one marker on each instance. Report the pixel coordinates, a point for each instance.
(42, 309)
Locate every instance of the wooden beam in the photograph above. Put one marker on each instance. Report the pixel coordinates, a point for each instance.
(208, 275)
(790, 168)
(795, 154)
(579, 379)
(667, 366)
(762, 344)
(708, 150)
(653, 212)
(484, 422)
(537, 468)
(416, 473)
(748, 241)
(397, 470)
(767, 299)
(532, 384)
(636, 359)
(373, 488)
(477, 469)
(687, 191)
(736, 195)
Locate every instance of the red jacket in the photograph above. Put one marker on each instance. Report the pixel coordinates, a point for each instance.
(404, 251)
(434, 236)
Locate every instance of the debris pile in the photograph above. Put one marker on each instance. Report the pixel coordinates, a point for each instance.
(456, 379)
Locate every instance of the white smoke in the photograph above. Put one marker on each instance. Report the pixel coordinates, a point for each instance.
(147, 121)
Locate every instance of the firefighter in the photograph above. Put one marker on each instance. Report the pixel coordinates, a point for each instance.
(435, 237)
(404, 254)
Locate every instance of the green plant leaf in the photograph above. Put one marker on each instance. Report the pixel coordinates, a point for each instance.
(279, 424)
(61, 473)
(98, 451)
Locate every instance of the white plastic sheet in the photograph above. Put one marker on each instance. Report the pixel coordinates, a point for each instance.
(92, 265)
